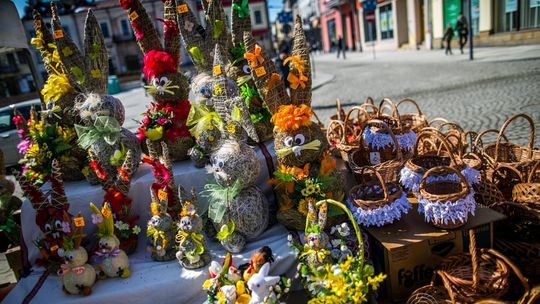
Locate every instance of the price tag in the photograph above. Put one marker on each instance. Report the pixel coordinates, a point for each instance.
(182, 8)
(162, 194)
(260, 71)
(54, 248)
(105, 211)
(217, 70)
(375, 158)
(133, 16)
(58, 34)
(79, 221)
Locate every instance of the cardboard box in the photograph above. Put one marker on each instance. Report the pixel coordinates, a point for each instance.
(409, 250)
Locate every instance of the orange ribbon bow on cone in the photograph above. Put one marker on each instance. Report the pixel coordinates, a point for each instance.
(255, 58)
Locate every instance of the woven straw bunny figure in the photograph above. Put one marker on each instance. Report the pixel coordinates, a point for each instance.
(316, 239)
(77, 275)
(116, 189)
(111, 260)
(237, 206)
(165, 120)
(50, 208)
(102, 115)
(191, 252)
(306, 171)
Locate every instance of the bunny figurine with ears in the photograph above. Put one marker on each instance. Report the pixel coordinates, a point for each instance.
(261, 285)
(237, 206)
(77, 275)
(101, 115)
(192, 253)
(306, 171)
(112, 261)
(50, 208)
(316, 239)
(165, 120)
(116, 194)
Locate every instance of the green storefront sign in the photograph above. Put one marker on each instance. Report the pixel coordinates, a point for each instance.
(452, 8)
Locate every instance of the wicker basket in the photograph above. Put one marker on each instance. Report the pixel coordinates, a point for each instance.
(415, 121)
(445, 201)
(376, 202)
(480, 274)
(387, 161)
(528, 192)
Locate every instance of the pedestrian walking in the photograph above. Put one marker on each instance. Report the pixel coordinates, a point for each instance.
(340, 47)
(462, 26)
(448, 39)
(283, 69)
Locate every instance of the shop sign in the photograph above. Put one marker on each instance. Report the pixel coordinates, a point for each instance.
(511, 6)
(535, 3)
(369, 5)
(370, 17)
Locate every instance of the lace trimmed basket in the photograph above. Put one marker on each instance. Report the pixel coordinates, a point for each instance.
(444, 200)
(375, 202)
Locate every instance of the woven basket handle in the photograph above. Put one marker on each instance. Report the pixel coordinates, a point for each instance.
(411, 101)
(386, 103)
(440, 170)
(456, 135)
(434, 121)
(470, 137)
(474, 258)
(535, 168)
(506, 124)
(500, 166)
(451, 125)
(363, 170)
(339, 109)
(432, 132)
(319, 122)
(332, 126)
(399, 155)
(369, 101)
(478, 143)
(524, 281)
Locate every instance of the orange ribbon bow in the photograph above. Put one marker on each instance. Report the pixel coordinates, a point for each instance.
(255, 58)
(297, 81)
(297, 63)
(64, 269)
(273, 80)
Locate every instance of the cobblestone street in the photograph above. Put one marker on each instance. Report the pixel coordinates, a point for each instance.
(478, 95)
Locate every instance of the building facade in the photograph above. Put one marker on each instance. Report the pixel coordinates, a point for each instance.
(339, 18)
(125, 57)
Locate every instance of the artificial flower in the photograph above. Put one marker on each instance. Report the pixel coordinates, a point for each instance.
(56, 87)
(158, 63)
(96, 218)
(136, 230)
(154, 134)
(292, 117)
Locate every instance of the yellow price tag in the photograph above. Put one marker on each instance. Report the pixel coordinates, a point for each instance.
(217, 70)
(79, 221)
(133, 16)
(162, 194)
(58, 34)
(54, 248)
(182, 8)
(105, 211)
(260, 71)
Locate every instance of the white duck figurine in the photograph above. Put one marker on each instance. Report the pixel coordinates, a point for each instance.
(111, 260)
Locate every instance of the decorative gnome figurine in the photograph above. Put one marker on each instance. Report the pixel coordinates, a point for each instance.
(111, 260)
(77, 276)
(102, 115)
(240, 70)
(191, 252)
(51, 135)
(50, 208)
(237, 206)
(306, 171)
(165, 120)
(116, 194)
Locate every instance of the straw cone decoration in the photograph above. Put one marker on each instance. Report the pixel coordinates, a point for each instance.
(172, 42)
(139, 19)
(58, 195)
(301, 94)
(194, 37)
(47, 37)
(240, 23)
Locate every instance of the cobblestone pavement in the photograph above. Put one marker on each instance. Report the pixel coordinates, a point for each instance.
(477, 95)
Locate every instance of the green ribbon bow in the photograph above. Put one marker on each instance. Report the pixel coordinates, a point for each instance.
(9, 226)
(226, 231)
(78, 73)
(105, 127)
(197, 238)
(197, 55)
(218, 28)
(201, 118)
(242, 10)
(247, 93)
(156, 235)
(237, 53)
(219, 198)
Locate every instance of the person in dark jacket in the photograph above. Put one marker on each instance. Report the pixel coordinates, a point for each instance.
(462, 27)
(283, 69)
(448, 39)
(340, 47)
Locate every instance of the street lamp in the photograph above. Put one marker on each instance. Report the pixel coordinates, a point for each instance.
(471, 56)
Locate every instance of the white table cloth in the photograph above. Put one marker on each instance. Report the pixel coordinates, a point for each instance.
(150, 281)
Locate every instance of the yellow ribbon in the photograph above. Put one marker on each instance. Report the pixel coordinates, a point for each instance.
(297, 62)
(201, 118)
(255, 58)
(156, 234)
(321, 254)
(297, 81)
(313, 145)
(197, 238)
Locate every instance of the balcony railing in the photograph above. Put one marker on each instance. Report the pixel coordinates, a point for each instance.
(334, 3)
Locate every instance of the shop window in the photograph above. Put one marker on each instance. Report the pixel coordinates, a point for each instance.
(386, 21)
(332, 33)
(529, 14)
(124, 26)
(132, 62)
(506, 12)
(105, 29)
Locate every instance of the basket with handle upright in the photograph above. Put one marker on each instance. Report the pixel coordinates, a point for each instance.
(444, 200)
(376, 202)
(528, 191)
(404, 132)
(416, 121)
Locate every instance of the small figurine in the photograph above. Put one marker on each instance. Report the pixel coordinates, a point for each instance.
(77, 275)
(258, 259)
(112, 261)
(316, 239)
(261, 285)
(191, 252)
(160, 231)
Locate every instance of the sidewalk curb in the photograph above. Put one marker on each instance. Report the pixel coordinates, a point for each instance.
(329, 79)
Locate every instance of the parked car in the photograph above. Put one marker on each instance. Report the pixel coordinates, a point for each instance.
(8, 132)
